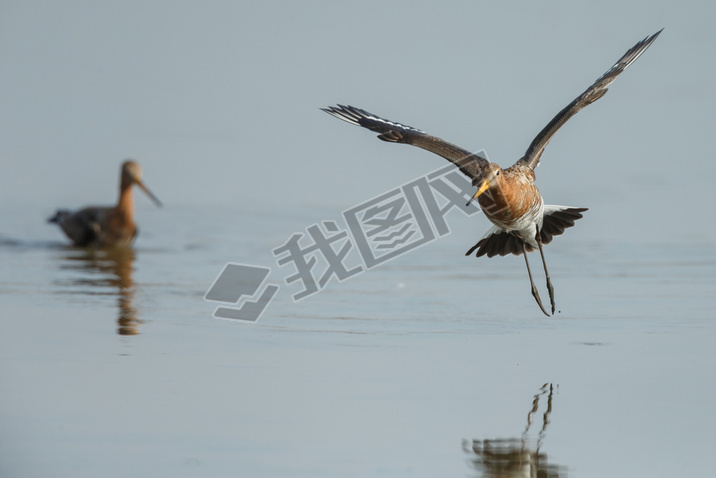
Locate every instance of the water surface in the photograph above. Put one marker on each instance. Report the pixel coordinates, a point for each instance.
(429, 365)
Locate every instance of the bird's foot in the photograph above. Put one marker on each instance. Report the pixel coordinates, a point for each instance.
(535, 294)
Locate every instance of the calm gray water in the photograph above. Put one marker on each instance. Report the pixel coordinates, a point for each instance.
(432, 364)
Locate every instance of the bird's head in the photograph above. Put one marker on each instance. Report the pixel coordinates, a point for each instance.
(132, 174)
(490, 178)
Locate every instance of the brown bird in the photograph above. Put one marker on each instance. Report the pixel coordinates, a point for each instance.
(111, 226)
(508, 197)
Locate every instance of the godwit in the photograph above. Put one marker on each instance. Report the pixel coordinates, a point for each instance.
(111, 226)
(508, 197)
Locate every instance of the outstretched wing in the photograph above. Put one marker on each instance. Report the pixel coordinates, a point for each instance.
(592, 94)
(470, 164)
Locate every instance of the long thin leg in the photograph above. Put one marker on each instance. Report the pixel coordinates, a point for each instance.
(535, 294)
(549, 282)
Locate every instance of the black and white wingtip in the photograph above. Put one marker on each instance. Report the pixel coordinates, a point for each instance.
(359, 117)
(348, 114)
(636, 51)
(628, 58)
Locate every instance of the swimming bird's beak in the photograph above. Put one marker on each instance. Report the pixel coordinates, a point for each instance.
(148, 192)
(483, 187)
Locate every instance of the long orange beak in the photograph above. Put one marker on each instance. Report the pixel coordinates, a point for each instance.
(148, 192)
(483, 187)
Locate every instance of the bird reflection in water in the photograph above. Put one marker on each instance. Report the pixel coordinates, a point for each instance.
(107, 272)
(514, 457)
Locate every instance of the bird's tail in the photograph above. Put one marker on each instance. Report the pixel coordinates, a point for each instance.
(500, 242)
(58, 217)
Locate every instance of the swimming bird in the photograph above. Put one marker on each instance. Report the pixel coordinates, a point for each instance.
(508, 197)
(111, 226)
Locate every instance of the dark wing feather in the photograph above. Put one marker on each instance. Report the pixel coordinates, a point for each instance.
(556, 221)
(82, 227)
(500, 242)
(470, 164)
(592, 94)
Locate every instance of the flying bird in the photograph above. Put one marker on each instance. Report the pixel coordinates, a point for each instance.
(110, 226)
(508, 197)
